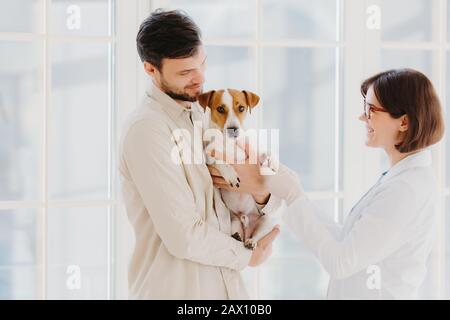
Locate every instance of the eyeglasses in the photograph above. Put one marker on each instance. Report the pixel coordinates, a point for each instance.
(369, 109)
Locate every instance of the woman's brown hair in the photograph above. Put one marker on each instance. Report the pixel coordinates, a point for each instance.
(409, 92)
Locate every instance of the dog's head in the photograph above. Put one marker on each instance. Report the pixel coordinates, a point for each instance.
(229, 108)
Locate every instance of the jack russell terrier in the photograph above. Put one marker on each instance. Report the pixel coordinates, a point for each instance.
(228, 110)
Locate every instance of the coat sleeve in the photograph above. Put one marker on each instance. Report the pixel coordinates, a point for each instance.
(285, 185)
(381, 230)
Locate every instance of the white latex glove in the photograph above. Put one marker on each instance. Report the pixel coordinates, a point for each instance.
(285, 184)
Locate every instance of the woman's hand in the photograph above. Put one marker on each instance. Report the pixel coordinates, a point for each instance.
(285, 184)
(251, 180)
(263, 249)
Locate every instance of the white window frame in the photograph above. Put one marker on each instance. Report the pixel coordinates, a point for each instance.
(130, 88)
(122, 99)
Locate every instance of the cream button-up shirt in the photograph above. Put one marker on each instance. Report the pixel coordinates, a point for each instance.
(183, 247)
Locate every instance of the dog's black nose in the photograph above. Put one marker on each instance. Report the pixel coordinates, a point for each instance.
(233, 132)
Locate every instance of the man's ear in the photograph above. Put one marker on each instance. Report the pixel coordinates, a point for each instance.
(205, 99)
(150, 69)
(252, 99)
(404, 125)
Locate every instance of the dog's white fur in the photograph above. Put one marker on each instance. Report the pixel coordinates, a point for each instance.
(247, 223)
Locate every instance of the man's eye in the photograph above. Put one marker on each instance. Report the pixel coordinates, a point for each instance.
(221, 109)
(241, 108)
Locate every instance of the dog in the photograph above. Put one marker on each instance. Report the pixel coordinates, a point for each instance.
(228, 110)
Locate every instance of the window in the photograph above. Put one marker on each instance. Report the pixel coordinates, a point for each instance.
(56, 152)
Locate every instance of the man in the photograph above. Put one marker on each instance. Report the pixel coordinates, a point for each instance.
(183, 245)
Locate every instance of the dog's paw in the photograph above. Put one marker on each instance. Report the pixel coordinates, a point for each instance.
(237, 236)
(230, 176)
(250, 244)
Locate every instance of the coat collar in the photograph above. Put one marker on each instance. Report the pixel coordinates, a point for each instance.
(419, 159)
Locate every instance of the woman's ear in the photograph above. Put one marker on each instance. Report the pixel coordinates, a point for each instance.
(404, 124)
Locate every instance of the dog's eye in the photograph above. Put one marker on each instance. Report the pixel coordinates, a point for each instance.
(241, 108)
(221, 109)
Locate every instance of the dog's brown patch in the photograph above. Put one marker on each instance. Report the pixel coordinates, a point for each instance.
(241, 102)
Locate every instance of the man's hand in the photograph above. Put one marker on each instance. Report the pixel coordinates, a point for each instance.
(264, 248)
(251, 180)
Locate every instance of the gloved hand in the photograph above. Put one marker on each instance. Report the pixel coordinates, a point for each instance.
(285, 184)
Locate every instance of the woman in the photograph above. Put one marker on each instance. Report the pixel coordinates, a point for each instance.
(382, 248)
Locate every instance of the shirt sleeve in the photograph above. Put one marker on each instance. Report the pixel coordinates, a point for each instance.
(271, 207)
(380, 231)
(153, 161)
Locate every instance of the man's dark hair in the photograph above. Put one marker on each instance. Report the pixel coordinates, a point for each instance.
(167, 34)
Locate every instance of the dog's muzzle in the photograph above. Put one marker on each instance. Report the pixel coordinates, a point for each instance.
(233, 132)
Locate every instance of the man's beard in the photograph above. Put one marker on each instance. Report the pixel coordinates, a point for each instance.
(177, 95)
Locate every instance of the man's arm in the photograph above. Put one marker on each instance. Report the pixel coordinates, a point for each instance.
(162, 184)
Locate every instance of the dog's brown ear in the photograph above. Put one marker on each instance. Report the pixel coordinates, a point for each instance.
(205, 98)
(252, 99)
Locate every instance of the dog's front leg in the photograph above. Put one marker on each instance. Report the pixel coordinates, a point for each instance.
(228, 173)
(237, 231)
(263, 226)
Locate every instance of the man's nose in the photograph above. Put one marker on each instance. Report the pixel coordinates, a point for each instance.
(233, 132)
(199, 77)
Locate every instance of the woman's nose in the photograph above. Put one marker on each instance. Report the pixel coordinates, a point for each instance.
(362, 117)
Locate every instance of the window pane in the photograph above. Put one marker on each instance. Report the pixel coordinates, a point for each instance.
(301, 19)
(78, 133)
(222, 63)
(20, 120)
(413, 24)
(447, 247)
(293, 272)
(87, 18)
(448, 19)
(299, 100)
(77, 253)
(21, 16)
(447, 122)
(420, 60)
(221, 19)
(18, 260)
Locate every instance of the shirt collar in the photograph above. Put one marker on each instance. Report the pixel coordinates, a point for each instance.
(419, 159)
(173, 108)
